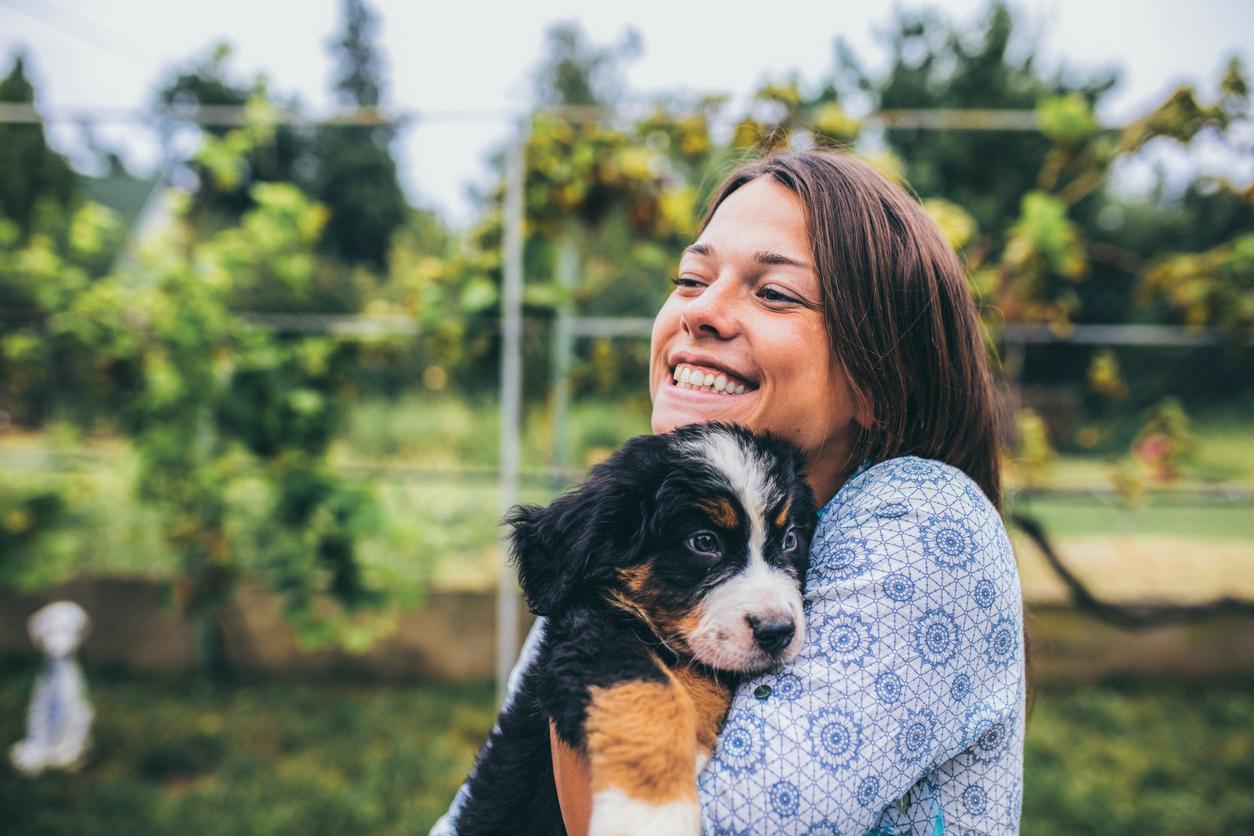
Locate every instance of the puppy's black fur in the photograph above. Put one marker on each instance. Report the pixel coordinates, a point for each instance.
(613, 567)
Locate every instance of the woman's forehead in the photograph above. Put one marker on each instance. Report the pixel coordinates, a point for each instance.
(761, 216)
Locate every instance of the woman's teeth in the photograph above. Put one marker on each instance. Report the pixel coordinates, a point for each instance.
(688, 377)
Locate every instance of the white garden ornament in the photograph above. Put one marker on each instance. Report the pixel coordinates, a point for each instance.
(58, 722)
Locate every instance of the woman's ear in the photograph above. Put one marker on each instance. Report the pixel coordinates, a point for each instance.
(863, 407)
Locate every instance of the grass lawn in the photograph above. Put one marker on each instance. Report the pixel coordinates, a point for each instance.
(172, 757)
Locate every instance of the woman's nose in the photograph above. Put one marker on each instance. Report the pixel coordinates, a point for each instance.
(713, 313)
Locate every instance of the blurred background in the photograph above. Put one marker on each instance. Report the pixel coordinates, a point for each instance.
(259, 413)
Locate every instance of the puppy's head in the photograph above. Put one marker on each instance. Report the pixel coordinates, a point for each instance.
(703, 534)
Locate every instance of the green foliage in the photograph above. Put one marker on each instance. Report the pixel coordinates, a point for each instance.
(1043, 245)
(1215, 287)
(935, 62)
(42, 275)
(34, 179)
(232, 160)
(1031, 460)
(326, 758)
(29, 519)
(211, 403)
(1067, 120)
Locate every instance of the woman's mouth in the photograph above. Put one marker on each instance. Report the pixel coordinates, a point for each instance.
(702, 379)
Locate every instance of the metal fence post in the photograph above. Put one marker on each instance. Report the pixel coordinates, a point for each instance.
(511, 399)
(563, 344)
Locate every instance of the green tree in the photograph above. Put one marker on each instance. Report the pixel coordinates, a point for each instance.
(284, 156)
(356, 174)
(574, 72)
(935, 63)
(32, 175)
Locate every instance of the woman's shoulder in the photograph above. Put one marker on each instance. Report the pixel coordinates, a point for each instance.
(900, 508)
(909, 484)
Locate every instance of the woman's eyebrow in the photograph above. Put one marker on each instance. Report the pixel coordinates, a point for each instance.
(760, 256)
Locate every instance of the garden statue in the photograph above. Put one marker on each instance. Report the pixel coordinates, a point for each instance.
(58, 722)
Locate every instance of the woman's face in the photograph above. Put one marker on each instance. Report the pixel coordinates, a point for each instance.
(746, 316)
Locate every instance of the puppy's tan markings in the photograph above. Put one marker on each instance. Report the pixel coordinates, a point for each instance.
(641, 741)
(782, 516)
(721, 511)
(635, 578)
(711, 698)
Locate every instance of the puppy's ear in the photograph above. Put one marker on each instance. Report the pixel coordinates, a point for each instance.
(577, 542)
(555, 549)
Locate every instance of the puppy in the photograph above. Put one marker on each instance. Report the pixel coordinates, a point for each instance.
(673, 571)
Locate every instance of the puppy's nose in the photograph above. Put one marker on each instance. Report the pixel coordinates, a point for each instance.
(772, 633)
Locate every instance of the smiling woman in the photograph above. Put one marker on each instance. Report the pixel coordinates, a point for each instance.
(820, 303)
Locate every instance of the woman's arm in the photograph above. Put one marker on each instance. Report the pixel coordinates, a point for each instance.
(574, 785)
(907, 703)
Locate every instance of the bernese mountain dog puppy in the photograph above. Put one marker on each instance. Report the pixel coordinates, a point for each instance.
(673, 570)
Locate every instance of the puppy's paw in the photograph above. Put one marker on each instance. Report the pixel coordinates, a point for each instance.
(616, 814)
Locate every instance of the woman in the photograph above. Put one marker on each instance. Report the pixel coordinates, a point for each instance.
(821, 303)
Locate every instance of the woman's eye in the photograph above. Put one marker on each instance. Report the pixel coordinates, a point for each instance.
(685, 281)
(770, 294)
(703, 542)
(790, 540)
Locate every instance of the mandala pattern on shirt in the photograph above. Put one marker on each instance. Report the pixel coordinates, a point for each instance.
(947, 540)
(1001, 645)
(787, 687)
(785, 798)
(917, 736)
(918, 472)
(988, 733)
(960, 688)
(937, 637)
(848, 558)
(888, 687)
(741, 744)
(835, 738)
(846, 638)
(985, 593)
(975, 800)
(868, 788)
(898, 587)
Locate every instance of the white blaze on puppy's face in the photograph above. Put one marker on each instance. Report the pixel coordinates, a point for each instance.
(724, 636)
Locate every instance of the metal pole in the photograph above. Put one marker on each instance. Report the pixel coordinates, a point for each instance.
(511, 397)
(563, 344)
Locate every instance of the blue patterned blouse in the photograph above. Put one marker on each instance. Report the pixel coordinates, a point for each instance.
(904, 714)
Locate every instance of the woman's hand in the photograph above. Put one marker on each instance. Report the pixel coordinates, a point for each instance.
(574, 785)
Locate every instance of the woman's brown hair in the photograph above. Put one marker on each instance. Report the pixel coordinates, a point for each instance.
(900, 317)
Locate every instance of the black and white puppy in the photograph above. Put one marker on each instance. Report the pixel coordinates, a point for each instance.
(675, 569)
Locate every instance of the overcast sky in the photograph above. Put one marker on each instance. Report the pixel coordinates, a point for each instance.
(478, 55)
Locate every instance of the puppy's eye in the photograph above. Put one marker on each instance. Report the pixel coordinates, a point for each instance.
(704, 542)
(790, 540)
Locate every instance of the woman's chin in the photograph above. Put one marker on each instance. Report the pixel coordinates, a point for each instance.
(675, 407)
